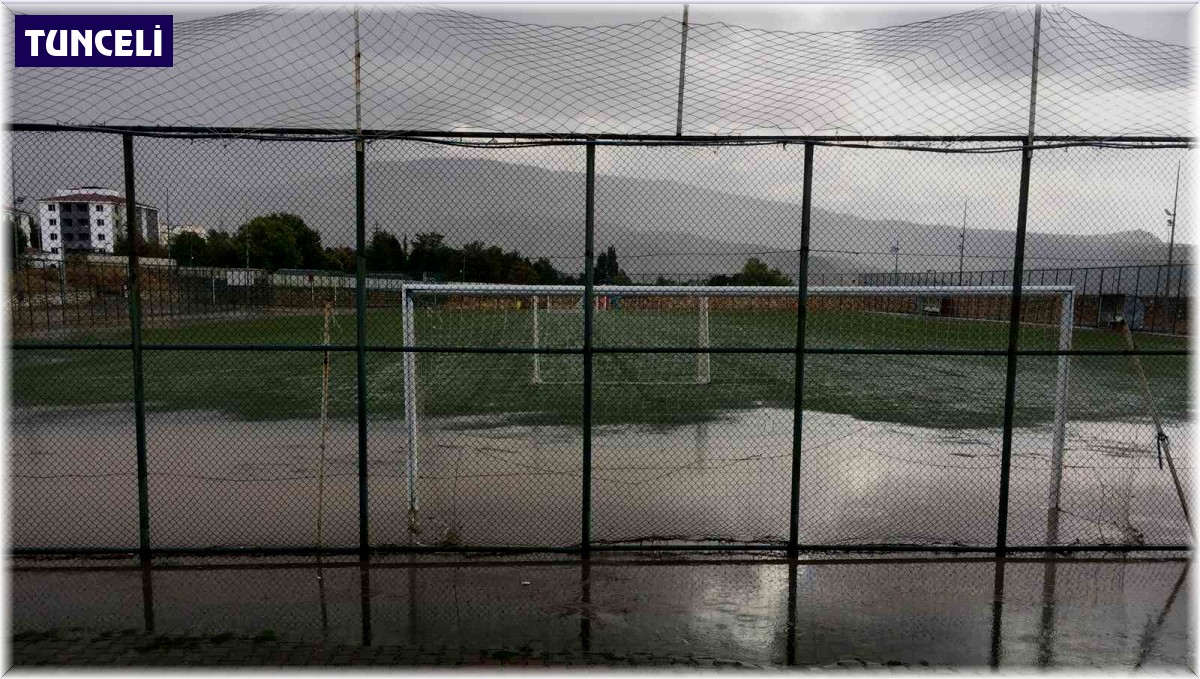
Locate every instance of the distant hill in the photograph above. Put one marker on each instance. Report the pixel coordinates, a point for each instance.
(658, 226)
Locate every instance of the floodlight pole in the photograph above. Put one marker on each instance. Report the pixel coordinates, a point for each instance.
(1174, 214)
(962, 243)
(1014, 318)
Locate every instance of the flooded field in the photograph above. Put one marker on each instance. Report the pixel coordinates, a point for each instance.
(1099, 613)
(219, 481)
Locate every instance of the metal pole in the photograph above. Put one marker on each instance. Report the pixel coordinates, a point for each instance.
(1062, 385)
(408, 324)
(589, 251)
(1171, 242)
(1137, 291)
(682, 72)
(962, 243)
(1014, 319)
(360, 295)
(801, 318)
(135, 324)
(1179, 300)
(1161, 437)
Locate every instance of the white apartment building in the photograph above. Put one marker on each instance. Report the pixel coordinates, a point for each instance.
(85, 219)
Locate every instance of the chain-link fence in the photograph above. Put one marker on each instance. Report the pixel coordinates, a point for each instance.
(909, 303)
(591, 346)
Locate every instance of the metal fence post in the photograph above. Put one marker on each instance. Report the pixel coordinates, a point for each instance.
(135, 326)
(589, 250)
(1014, 318)
(360, 298)
(801, 317)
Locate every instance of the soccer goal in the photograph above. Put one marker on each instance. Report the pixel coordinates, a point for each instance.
(545, 324)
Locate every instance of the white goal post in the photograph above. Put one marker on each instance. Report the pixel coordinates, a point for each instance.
(559, 302)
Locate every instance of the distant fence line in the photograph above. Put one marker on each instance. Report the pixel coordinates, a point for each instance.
(93, 291)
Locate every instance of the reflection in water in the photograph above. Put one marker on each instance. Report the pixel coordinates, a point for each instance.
(364, 579)
(995, 650)
(1150, 636)
(148, 598)
(321, 596)
(761, 611)
(1046, 634)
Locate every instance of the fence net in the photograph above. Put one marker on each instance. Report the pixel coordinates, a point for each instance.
(439, 69)
(311, 378)
(474, 412)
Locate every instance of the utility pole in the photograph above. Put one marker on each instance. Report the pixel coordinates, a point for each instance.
(895, 250)
(1171, 215)
(962, 243)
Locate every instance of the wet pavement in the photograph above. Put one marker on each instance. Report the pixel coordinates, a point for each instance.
(646, 609)
(217, 481)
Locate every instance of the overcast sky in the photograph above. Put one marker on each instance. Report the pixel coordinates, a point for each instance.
(1123, 190)
(1168, 22)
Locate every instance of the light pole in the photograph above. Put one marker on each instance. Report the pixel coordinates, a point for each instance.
(1171, 214)
(962, 243)
(895, 250)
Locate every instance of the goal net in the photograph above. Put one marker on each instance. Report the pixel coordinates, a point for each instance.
(695, 322)
(695, 333)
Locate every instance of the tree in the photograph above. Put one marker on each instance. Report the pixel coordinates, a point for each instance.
(339, 259)
(754, 272)
(190, 248)
(607, 271)
(385, 253)
(220, 250)
(280, 241)
(757, 272)
(21, 241)
(430, 254)
(145, 249)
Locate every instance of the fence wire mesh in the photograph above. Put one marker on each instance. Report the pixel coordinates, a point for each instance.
(574, 287)
(479, 324)
(438, 69)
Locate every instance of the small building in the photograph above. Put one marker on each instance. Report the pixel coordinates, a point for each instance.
(85, 219)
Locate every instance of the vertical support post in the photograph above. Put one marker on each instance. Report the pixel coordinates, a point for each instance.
(1100, 301)
(1061, 390)
(408, 323)
(1014, 318)
(360, 294)
(585, 539)
(801, 318)
(135, 326)
(703, 359)
(360, 299)
(537, 340)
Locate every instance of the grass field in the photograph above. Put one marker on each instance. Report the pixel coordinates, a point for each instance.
(932, 391)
